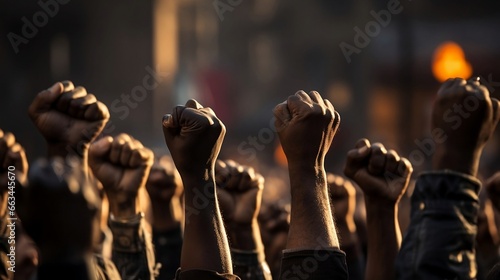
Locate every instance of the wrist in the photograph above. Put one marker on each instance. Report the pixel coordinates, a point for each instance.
(245, 236)
(123, 209)
(459, 160)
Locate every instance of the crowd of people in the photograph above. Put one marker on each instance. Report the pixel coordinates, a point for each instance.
(106, 207)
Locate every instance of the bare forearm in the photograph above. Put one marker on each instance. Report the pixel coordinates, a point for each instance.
(205, 244)
(311, 216)
(384, 240)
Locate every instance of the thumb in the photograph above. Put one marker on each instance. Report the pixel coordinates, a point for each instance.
(100, 148)
(44, 100)
(357, 157)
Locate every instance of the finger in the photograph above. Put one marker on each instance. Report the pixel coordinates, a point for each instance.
(282, 115)
(247, 177)
(221, 173)
(316, 97)
(376, 164)
(236, 173)
(101, 148)
(297, 105)
(65, 99)
(96, 112)
(77, 106)
(448, 84)
(44, 100)
(172, 120)
(5, 144)
(495, 104)
(67, 86)
(141, 157)
(116, 149)
(136, 144)
(392, 162)
(304, 96)
(362, 143)
(336, 121)
(126, 153)
(405, 168)
(191, 103)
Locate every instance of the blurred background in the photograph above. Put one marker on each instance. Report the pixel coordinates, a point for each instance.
(379, 62)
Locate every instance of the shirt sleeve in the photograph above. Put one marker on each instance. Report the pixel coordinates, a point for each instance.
(439, 243)
(197, 274)
(132, 252)
(320, 263)
(250, 265)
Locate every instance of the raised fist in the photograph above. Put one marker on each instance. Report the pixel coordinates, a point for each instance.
(343, 200)
(60, 190)
(194, 137)
(306, 125)
(239, 190)
(13, 160)
(463, 119)
(381, 174)
(68, 117)
(164, 182)
(122, 165)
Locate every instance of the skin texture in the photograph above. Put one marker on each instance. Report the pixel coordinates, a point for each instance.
(239, 190)
(194, 136)
(164, 186)
(465, 130)
(306, 125)
(383, 176)
(69, 119)
(343, 201)
(122, 165)
(77, 209)
(11, 154)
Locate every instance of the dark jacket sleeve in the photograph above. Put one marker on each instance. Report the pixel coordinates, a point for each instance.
(440, 240)
(132, 252)
(250, 265)
(198, 274)
(168, 248)
(314, 264)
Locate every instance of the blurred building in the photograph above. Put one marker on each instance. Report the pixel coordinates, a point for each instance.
(242, 58)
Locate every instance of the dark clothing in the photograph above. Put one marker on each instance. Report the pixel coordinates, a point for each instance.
(313, 264)
(132, 249)
(439, 243)
(198, 274)
(168, 248)
(250, 265)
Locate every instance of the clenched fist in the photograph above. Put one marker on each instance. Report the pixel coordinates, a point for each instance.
(464, 116)
(343, 200)
(239, 192)
(68, 117)
(381, 174)
(122, 165)
(194, 137)
(306, 125)
(11, 154)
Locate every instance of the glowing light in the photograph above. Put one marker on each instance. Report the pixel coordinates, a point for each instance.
(279, 156)
(449, 62)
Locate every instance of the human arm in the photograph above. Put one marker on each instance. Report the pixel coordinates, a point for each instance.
(383, 176)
